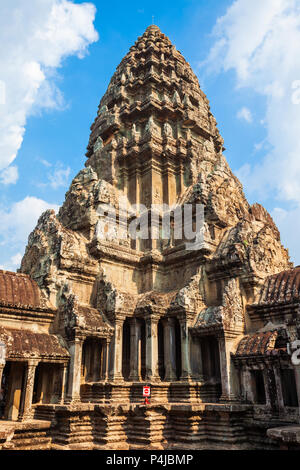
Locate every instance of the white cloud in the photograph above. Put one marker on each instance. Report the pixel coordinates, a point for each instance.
(9, 175)
(2, 92)
(13, 263)
(45, 162)
(59, 177)
(245, 114)
(289, 223)
(16, 259)
(259, 146)
(16, 224)
(35, 37)
(20, 219)
(261, 44)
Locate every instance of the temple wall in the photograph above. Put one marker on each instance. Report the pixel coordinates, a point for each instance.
(123, 427)
(83, 290)
(122, 276)
(133, 312)
(28, 324)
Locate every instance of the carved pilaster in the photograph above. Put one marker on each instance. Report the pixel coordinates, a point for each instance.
(277, 375)
(63, 380)
(152, 349)
(117, 351)
(247, 384)
(228, 392)
(185, 357)
(1, 372)
(169, 350)
(75, 348)
(105, 346)
(135, 350)
(27, 391)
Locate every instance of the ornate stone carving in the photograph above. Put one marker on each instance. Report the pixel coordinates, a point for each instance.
(97, 280)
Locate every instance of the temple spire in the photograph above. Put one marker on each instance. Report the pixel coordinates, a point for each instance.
(153, 28)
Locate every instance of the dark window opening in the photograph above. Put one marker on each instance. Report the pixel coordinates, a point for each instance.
(289, 389)
(259, 387)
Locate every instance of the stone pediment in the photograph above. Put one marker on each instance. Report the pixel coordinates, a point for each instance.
(84, 320)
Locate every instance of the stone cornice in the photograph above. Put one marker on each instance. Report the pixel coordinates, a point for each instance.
(270, 311)
(26, 313)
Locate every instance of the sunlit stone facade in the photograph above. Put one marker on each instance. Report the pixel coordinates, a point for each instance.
(92, 318)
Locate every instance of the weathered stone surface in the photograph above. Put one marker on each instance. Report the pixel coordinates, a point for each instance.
(201, 326)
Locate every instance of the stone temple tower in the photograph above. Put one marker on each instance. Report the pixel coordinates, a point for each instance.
(148, 309)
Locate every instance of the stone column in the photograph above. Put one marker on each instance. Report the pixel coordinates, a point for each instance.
(185, 359)
(167, 185)
(196, 360)
(247, 385)
(75, 348)
(266, 385)
(1, 372)
(169, 350)
(280, 400)
(226, 370)
(125, 181)
(135, 350)
(181, 178)
(27, 392)
(63, 370)
(104, 366)
(138, 186)
(2, 365)
(117, 351)
(152, 349)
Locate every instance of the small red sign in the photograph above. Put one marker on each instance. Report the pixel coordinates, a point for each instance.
(146, 391)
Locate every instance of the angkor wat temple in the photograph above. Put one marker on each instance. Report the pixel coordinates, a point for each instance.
(90, 318)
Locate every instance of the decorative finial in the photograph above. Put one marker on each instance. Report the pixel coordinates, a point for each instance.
(152, 19)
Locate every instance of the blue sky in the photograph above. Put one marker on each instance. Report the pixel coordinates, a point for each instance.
(70, 51)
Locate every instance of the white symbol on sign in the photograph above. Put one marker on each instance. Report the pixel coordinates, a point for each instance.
(294, 351)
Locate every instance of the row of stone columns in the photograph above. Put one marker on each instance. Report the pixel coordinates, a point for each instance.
(74, 379)
(266, 369)
(151, 340)
(74, 382)
(219, 352)
(93, 360)
(25, 406)
(247, 385)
